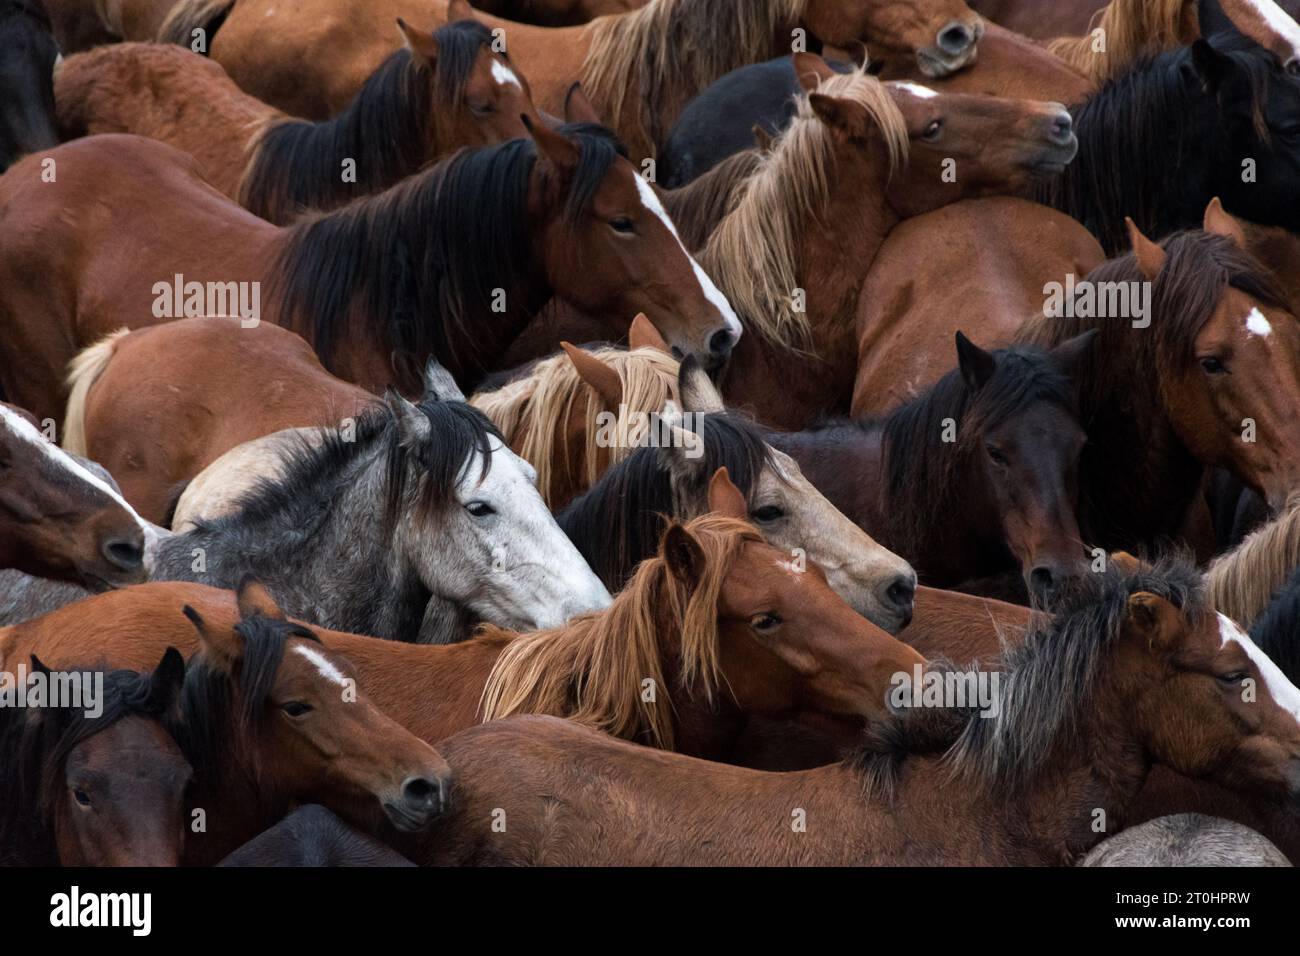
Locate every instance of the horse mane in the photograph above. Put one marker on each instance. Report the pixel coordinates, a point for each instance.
(1275, 630)
(1134, 29)
(698, 207)
(388, 129)
(619, 521)
(208, 706)
(35, 743)
(592, 669)
(423, 260)
(1243, 582)
(533, 413)
(315, 473)
(669, 50)
(1047, 682)
(1131, 131)
(753, 254)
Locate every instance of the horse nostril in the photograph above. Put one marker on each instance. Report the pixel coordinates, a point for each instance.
(1042, 582)
(955, 39)
(1062, 128)
(421, 793)
(124, 553)
(900, 594)
(720, 343)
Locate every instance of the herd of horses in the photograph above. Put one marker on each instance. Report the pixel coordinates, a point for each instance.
(375, 566)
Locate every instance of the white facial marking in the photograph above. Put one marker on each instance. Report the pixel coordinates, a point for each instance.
(1256, 324)
(711, 292)
(1284, 693)
(1279, 21)
(921, 92)
(27, 432)
(323, 664)
(504, 75)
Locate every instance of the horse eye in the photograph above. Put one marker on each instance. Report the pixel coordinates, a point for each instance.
(932, 131)
(482, 109)
(764, 622)
(996, 455)
(480, 509)
(81, 796)
(621, 224)
(767, 513)
(1236, 677)
(1213, 366)
(296, 708)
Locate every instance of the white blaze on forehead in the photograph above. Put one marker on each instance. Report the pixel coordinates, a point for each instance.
(1279, 21)
(1280, 688)
(922, 92)
(323, 664)
(28, 433)
(1256, 324)
(711, 292)
(504, 75)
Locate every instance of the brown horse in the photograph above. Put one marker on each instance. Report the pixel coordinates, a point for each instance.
(95, 782)
(1139, 667)
(441, 92)
(978, 266)
(793, 252)
(452, 262)
(719, 623)
(62, 517)
(640, 68)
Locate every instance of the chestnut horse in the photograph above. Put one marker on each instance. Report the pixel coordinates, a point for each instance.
(792, 253)
(1206, 379)
(99, 783)
(452, 262)
(62, 517)
(717, 619)
(639, 68)
(440, 93)
(27, 60)
(1011, 786)
(995, 445)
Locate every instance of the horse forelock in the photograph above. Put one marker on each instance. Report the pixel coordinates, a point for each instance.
(754, 253)
(593, 669)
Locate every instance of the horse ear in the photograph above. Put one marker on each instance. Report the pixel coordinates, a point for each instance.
(167, 678)
(1128, 563)
(1070, 353)
(698, 394)
(1220, 222)
(38, 666)
(439, 384)
(458, 10)
(578, 107)
(810, 70)
(1150, 257)
(838, 114)
(603, 379)
(683, 555)
(1210, 65)
(681, 449)
(255, 600)
(976, 365)
(1213, 20)
(725, 498)
(1153, 619)
(644, 335)
(560, 153)
(412, 424)
(420, 44)
(222, 647)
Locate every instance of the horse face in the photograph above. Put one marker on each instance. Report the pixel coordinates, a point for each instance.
(942, 35)
(999, 146)
(1219, 707)
(790, 643)
(499, 552)
(624, 257)
(324, 742)
(496, 96)
(61, 519)
(1233, 404)
(124, 798)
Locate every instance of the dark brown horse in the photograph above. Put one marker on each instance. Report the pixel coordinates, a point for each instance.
(1137, 665)
(27, 57)
(94, 781)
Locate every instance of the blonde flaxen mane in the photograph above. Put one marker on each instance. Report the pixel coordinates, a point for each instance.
(1242, 582)
(533, 413)
(753, 255)
(1133, 29)
(592, 670)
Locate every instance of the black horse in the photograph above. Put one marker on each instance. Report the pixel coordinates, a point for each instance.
(27, 57)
